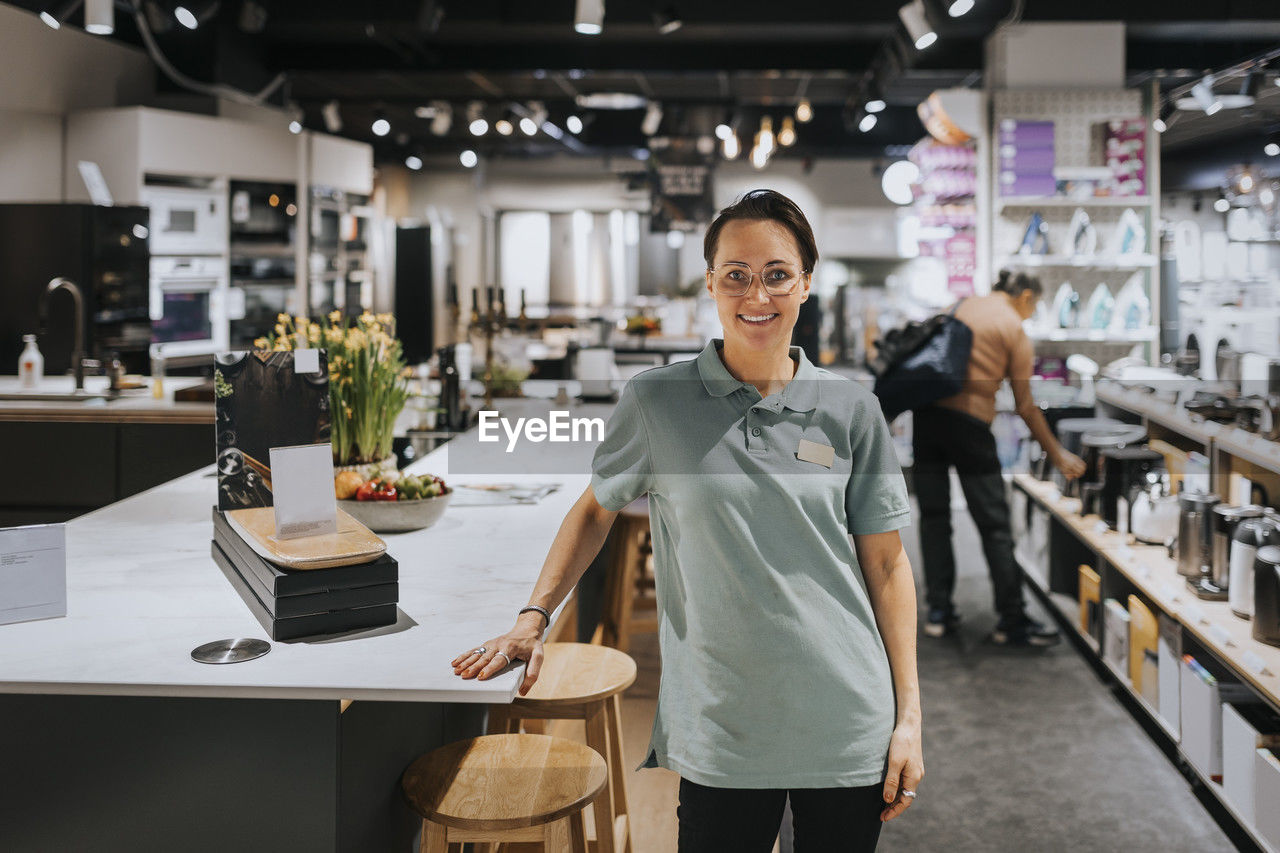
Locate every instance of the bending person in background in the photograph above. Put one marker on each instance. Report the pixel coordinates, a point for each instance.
(786, 604)
(956, 432)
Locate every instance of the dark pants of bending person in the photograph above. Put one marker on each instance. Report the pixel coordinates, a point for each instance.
(747, 820)
(943, 439)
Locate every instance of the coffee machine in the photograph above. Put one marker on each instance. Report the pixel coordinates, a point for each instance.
(1124, 471)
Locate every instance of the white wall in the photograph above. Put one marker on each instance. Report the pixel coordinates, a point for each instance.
(46, 74)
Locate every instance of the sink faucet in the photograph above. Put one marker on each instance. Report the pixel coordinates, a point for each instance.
(77, 353)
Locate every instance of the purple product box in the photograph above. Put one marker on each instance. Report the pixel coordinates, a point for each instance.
(1026, 134)
(1026, 160)
(1013, 183)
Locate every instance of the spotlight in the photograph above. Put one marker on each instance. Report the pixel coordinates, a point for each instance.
(413, 161)
(873, 98)
(332, 116)
(99, 17)
(478, 126)
(1161, 123)
(504, 126)
(917, 23)
(1205, 97)
(787, 135)
(764, 138)
(723, 131)
(1272, 148)
(804, 111)
(574, 123)
(295, 127)
(1222, 205)
(528, 126)
(865, 120)
(652, 119)
(380, 126)
(959, 7)
(193, 13)
(732, 147)
(759, 157)
(668, 20)
(442, 119)
(588, 18)
(56, 15)
(468, 158)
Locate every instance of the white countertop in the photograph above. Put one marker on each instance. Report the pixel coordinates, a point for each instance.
(143, 591)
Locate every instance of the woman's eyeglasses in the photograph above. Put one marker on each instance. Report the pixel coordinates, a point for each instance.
(734, 279)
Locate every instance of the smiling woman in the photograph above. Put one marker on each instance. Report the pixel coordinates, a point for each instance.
(787, 644)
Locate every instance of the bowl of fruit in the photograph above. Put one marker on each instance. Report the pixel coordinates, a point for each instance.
(393, 502)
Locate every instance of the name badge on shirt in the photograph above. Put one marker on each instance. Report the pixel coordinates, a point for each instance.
(811, 451)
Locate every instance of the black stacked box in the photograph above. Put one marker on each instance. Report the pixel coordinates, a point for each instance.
(292, 605)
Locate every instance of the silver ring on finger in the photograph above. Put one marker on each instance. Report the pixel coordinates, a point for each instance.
(505, 655)
(910, 795)
(479, 651)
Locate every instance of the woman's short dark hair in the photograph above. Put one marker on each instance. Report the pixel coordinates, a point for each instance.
(1013, 283)
(771, 206)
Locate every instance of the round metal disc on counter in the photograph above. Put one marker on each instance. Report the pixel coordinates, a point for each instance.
(230, 651)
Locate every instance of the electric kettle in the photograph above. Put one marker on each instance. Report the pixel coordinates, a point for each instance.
(1266, 595)
(1215, 578)
(1251, 534)
(1195, 531)
(1153, 511)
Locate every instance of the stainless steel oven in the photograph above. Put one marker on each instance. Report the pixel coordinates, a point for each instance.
(189, 297)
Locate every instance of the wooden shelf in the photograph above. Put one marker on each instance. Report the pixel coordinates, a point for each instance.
(1167, 415)
(1064, 201)
(1146, 333)
(1245, 445)
(1093, 262)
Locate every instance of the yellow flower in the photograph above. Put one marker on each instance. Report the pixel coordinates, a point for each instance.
(282, 318)
(280, 329)
(313, 334)
(300, 321)
(260, 343)
(384, 319)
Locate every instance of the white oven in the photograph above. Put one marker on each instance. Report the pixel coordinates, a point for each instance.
(187, 221)
(189, 301)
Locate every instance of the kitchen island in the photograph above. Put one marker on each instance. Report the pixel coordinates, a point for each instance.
(114, 739)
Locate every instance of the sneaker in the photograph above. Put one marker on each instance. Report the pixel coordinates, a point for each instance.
(1028, 633)
(940, 622)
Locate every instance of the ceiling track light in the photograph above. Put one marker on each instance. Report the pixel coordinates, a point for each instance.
(865, 120)
(1272, 146)
(476, 122)
(764, 137)
(1221, 204)
(192, 13)
(731, 146)
(1205, 96)
(668, 20)
(99, 17)
(872, 97)
(441, 118)
(413, 161)
(504, 125)
(468, 159)
(959, 7)
(57, 13)
(916, 20)
(380, 125)
(804, 111)
(588, 17)
(574, 124)
(1167, 109)
(787, 134)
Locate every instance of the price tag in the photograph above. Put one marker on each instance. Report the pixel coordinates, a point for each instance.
(1099, 527)
(1144, 571)
(1255, 664)
(1168, 592)
(1221, 635)
(1195, 613)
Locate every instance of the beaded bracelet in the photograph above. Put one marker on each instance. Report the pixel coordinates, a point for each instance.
(542, 610)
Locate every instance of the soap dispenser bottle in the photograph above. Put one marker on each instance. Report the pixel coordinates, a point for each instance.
(30, 364)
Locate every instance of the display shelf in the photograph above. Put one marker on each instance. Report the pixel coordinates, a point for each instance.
(1140, 335)
(1066, 201)
(1250, 447)
(1167, 415)
(1096, 262)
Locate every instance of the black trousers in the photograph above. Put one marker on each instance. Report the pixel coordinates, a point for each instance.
(746, 820)
(942, 439)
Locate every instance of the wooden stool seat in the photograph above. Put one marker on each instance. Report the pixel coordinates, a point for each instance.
(575, 674)
(628, 582)
(504, 782)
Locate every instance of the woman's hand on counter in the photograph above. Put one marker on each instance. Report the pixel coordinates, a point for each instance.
(521, 643)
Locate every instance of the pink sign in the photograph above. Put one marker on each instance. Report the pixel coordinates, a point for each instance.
(962, 260)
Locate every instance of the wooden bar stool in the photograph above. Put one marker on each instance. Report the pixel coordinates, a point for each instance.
(579, 681)
(500, 788)
(628, 580)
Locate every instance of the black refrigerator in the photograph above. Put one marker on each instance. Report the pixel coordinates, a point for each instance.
(414, 286)
(105, 251)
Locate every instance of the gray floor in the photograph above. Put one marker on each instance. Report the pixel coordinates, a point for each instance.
(1029, 750)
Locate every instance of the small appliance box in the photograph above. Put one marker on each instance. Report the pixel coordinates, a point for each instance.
(1202, 698)
(1246, 731)
(294, 604)
(1169, 653)
(1267, 790)
(1144, 634)
(1115, 631)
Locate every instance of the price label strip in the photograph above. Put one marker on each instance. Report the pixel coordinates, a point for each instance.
(1195, 613)
(1255, 664)
(1221, 635)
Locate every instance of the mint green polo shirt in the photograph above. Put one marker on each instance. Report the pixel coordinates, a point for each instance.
(774, 674)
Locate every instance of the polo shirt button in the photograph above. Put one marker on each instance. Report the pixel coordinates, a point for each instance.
(755, 430)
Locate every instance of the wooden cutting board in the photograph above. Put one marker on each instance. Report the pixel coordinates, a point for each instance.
(352, 544)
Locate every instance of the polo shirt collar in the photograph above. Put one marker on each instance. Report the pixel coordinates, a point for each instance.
(799, 395)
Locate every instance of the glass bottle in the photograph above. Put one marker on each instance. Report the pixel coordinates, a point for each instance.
(30, 364)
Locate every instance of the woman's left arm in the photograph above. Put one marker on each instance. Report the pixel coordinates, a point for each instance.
(893, 600)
